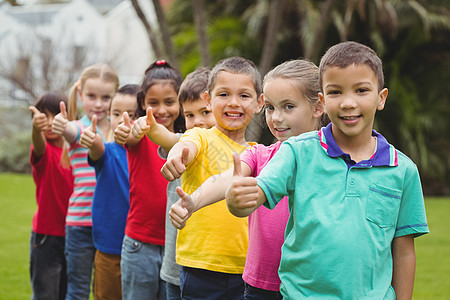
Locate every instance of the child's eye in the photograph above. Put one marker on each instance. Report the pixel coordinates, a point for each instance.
(106, 98)
(288, 106)
(131, 115)
(245, 96)
(116, 114)
(188, 115)
(362, 90)
(206, 112)
(269, 107)
(223, 94)
(333, 92)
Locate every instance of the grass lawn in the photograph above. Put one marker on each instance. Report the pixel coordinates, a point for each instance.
(17, 200)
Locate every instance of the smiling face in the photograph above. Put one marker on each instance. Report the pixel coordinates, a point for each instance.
(351, 98)
(96, 95)
(234, 101)
(197, 114)
(164, 101)
(288, 112)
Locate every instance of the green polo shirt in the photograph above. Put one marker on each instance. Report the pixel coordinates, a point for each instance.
(343, 216)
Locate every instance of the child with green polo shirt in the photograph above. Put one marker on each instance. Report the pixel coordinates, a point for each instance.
(356, 203)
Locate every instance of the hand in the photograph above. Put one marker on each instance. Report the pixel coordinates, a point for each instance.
(60, 120)
(89, 133)
(243, 192)
(40, 121)
(143, 125)
(175, 166)
(122, 131)
(181, 210)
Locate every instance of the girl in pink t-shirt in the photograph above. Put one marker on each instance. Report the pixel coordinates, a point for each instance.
(292, 107)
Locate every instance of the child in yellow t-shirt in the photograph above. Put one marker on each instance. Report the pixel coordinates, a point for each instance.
(212, 247)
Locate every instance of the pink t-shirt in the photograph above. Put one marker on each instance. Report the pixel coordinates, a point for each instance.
(148, 194)
(54, 184)
(266, 228)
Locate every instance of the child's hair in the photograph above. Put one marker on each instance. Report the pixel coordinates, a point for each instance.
(304, 75)
(348, 53)
(102, 71)
(236, 65)
(194, 85)
(129, 89)
(50, 102)
(158, 72)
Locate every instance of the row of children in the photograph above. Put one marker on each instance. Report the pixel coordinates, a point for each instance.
(345, 230)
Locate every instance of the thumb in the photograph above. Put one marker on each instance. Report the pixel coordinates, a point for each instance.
(150, 118)
(237, 165)
(126, 119)
(62, 107)
(33, 109)
(181, 194)
(185, 155)
(94, 124)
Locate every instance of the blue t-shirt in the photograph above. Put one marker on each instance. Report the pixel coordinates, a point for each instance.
(111, 199)
(343, 216)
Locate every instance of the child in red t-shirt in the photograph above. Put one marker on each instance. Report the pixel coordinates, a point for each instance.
(54, 185)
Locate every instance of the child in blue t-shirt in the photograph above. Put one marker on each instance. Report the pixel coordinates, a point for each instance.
(111, 198)
(355, 202)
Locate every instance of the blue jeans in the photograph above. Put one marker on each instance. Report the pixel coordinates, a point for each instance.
(173, 292)
(47, 267)
(205, 284)
(140, 266)
(80, 253)
(254, 293)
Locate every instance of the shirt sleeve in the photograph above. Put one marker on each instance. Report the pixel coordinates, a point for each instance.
(412, 217)
(249, 157)
(277, 178)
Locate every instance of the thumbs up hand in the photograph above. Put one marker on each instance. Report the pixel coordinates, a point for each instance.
(60, 120)
(40, 121)
(88, 136)
(243, 191)
(143, 125)
(122, 131)
(175, 166)
(181, 210)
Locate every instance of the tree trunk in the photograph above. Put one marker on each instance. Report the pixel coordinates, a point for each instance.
(198, 11)
(151, 36)
(165, 34)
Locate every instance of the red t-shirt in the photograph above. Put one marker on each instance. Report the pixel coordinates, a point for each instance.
(148, 194)
(54, 185)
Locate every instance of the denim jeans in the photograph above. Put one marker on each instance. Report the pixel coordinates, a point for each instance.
(173, 292)
(47, 267)
(140, 266)
(254, 293)
(205, 284)
(80, 253)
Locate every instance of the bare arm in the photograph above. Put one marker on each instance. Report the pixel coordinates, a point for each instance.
(62, 126)
(210, 192)
(404, 264)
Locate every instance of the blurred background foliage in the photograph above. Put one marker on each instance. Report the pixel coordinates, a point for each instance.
(411, 37)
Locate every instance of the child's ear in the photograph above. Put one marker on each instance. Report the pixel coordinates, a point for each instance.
(260, 103)
(322, 101)
(207, 99)
(382, 96)
(319, 109)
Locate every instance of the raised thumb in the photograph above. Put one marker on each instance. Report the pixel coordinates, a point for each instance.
(62, 107)
(94, 123)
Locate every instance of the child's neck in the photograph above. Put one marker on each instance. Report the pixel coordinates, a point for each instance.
(105, 130)
(359, 149)
(238, 136)
(58, 142)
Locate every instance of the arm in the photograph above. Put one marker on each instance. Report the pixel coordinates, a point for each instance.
(62, 126)
(91, 140)
(181, 154)
(404, 265)
(210, 192)
(40, 124)
(244, 195)
(157, 133)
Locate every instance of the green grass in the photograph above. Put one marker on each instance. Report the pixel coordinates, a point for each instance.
(18, 206)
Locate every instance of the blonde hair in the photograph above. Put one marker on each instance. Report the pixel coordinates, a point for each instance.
(102, 71)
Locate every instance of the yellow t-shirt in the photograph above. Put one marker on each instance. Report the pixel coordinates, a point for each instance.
(213, 238)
